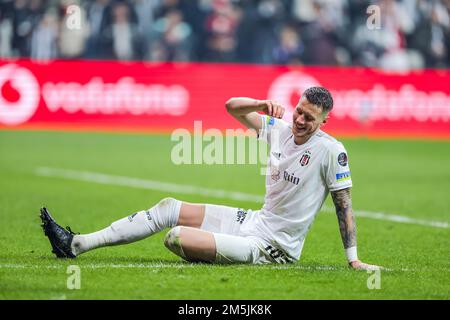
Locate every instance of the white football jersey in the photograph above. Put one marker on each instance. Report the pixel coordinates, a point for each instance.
(297, 183)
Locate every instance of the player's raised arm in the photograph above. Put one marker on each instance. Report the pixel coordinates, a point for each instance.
(245, 110)
(343, 203)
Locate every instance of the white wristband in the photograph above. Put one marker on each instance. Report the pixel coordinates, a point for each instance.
(351, 254)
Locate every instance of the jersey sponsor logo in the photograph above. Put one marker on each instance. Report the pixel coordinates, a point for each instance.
(241, 214)
(291, 178)
(270, 121)
(342, 159)
(343, 176)
(304, 160)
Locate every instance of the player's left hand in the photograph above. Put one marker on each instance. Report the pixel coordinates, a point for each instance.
(358, 265)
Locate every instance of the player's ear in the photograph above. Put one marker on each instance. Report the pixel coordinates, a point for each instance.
(325, 118)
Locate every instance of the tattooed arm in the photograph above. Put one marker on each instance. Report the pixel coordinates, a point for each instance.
(342, 200)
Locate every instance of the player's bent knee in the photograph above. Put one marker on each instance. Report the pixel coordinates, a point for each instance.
(172, 241)
(191, 244)
(167, 201)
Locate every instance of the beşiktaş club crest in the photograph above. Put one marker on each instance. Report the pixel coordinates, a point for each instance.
(304, 160)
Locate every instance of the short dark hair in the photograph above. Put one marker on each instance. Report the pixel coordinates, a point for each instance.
(321, 97)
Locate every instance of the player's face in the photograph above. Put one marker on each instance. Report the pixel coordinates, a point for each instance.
(307, 119)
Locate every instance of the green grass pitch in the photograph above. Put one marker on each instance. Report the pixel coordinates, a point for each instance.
(407, 178)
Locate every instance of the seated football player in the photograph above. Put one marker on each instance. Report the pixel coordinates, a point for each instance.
(305, 164)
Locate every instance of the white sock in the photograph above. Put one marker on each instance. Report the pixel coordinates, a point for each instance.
(132, 228)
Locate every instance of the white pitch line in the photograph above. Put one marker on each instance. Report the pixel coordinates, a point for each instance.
(100, 266)
(394, 218)
(146, 184)
(186, 265)
(123, 181)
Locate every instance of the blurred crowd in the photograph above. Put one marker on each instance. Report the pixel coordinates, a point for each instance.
(411, 33)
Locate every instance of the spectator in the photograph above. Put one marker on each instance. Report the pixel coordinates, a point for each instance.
(43, 40)
(221, 26)
(321, 40)
(6, 33)
(173, 38)
(413, 33)
(271, 16)
(95, 13)
(26, 18)
(145, 10)
(439, 27)
(290, 47)
(122, 38)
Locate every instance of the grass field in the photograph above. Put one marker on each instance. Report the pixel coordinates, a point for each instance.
(406, 178)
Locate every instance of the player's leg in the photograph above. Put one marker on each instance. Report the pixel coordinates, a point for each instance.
(198, 245)
(167, 213)
(191, 214)
(214, 237)
(191, 244)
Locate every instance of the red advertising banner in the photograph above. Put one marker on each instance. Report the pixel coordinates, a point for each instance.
(83, 95)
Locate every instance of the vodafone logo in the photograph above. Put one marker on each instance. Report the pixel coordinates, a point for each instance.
(288, 88)
(376, 104)
(19, 96)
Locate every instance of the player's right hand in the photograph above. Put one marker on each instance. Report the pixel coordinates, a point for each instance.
(358, 265)
(272, 108)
